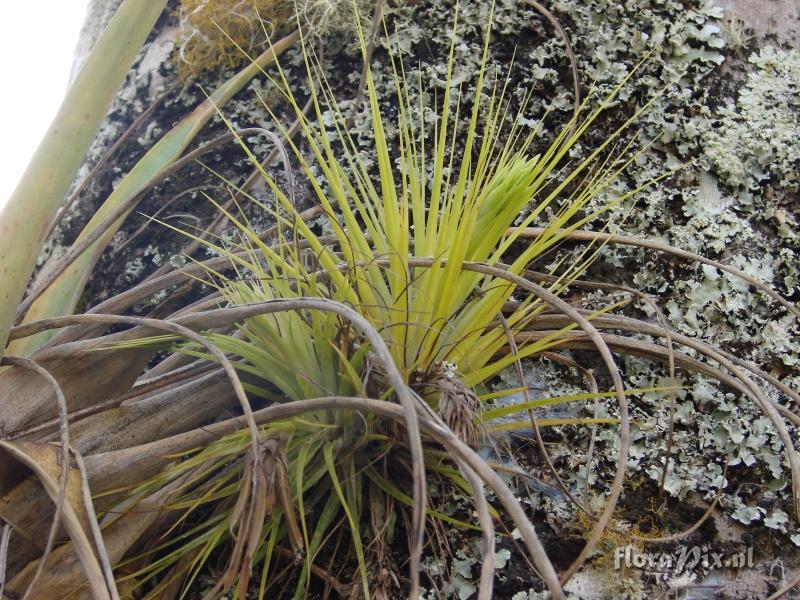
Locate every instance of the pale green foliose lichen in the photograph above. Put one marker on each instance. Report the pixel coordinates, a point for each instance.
(753, 138)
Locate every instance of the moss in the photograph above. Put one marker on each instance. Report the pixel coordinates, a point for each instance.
(226, 34)
(215, 34)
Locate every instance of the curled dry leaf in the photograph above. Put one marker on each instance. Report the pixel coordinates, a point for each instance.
(75, 368)
(43, 460)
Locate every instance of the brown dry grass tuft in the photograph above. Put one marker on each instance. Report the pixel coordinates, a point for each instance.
(213, 33)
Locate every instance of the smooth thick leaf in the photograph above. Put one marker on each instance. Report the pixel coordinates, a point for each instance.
(63, 294)
(24, 220)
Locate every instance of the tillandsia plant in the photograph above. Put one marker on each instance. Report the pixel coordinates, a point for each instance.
(417, 250)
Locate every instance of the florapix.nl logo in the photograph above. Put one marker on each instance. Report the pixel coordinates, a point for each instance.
(683, 560)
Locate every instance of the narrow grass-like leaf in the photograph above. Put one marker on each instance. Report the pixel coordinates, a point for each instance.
(504, 411)
(350, 512)
(526, 424)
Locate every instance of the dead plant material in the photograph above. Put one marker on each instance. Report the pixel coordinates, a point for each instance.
(223, 33)
(458, 408)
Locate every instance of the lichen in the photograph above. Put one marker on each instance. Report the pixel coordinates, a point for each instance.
(753, 138)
